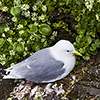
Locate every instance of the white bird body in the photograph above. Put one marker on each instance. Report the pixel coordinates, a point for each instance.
(46, 65)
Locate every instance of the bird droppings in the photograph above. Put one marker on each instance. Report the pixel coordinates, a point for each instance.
(33, 91)
(37, 92)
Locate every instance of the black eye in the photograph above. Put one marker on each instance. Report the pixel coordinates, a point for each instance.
(67, 50)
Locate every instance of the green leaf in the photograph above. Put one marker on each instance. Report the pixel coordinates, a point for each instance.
(19, 47)
(10, 32)
(15, 11)
(90, 33)
(79, 2)
(67, 1)
(82, 31)
(79, 38)
(14, 46)
(88, 39)
(23, 22)
(33, 29)
(86, 57)
(82, 50)
(36, 46)
(2, 41)
(2, 27)
(97, 42)
(45, 29)
(93, 47)
(93, 52)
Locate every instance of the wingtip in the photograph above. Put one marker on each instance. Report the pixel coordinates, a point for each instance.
(8, 77)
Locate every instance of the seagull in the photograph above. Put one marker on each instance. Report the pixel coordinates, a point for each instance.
(46, 65)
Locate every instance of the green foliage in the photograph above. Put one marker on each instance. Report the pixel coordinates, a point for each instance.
(32, 29)
(2, 27)
(15, 11)
(19, 47)
(2, 41)
(87, 27)
(45, 29)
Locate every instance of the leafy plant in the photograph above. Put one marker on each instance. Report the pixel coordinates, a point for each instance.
(31, 31)
(32, 28)
(88, 25)
(45, 29)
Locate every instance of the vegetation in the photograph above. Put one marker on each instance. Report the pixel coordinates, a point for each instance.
(32, 29)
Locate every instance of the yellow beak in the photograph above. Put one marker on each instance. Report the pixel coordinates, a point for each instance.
(77, 53)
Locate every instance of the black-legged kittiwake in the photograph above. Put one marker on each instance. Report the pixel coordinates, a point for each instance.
(46, 65)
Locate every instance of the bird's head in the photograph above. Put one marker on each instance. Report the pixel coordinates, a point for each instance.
(66, 47)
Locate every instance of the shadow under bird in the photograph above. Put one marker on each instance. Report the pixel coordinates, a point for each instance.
(46, 65)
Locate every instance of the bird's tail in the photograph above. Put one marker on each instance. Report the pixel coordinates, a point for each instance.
(5, 74)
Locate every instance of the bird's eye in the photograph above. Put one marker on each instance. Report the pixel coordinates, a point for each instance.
(67, 50)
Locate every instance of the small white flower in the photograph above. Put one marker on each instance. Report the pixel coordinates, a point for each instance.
(44, 8)
(91, 1)
(17, 2)
(54, 33)
(42, 17)
(21, 32)
(35, 23)
(0, 3)
(27, 14)
(83, 10)
(9, 39)
(12, 52)
(34, 14)
(52, 37)
(23, 42)
(25, 7)
(7, 29)
(14, 19)
(31, 37)
(28, 41)
(3, 62)
(19, 26)
(26, 48)
(2, 57)
(89, 7)
(3, 35)
(97, 16)
(25, 53)
(31, 53)
(42, 40)
(34, 8)
(87, 3)
(34, 18)
(4, 9)
(19, 39)
(12, 64)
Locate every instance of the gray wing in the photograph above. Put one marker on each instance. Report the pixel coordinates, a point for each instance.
(39, 67)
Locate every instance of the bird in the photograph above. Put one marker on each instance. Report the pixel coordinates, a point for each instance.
(46, 65)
